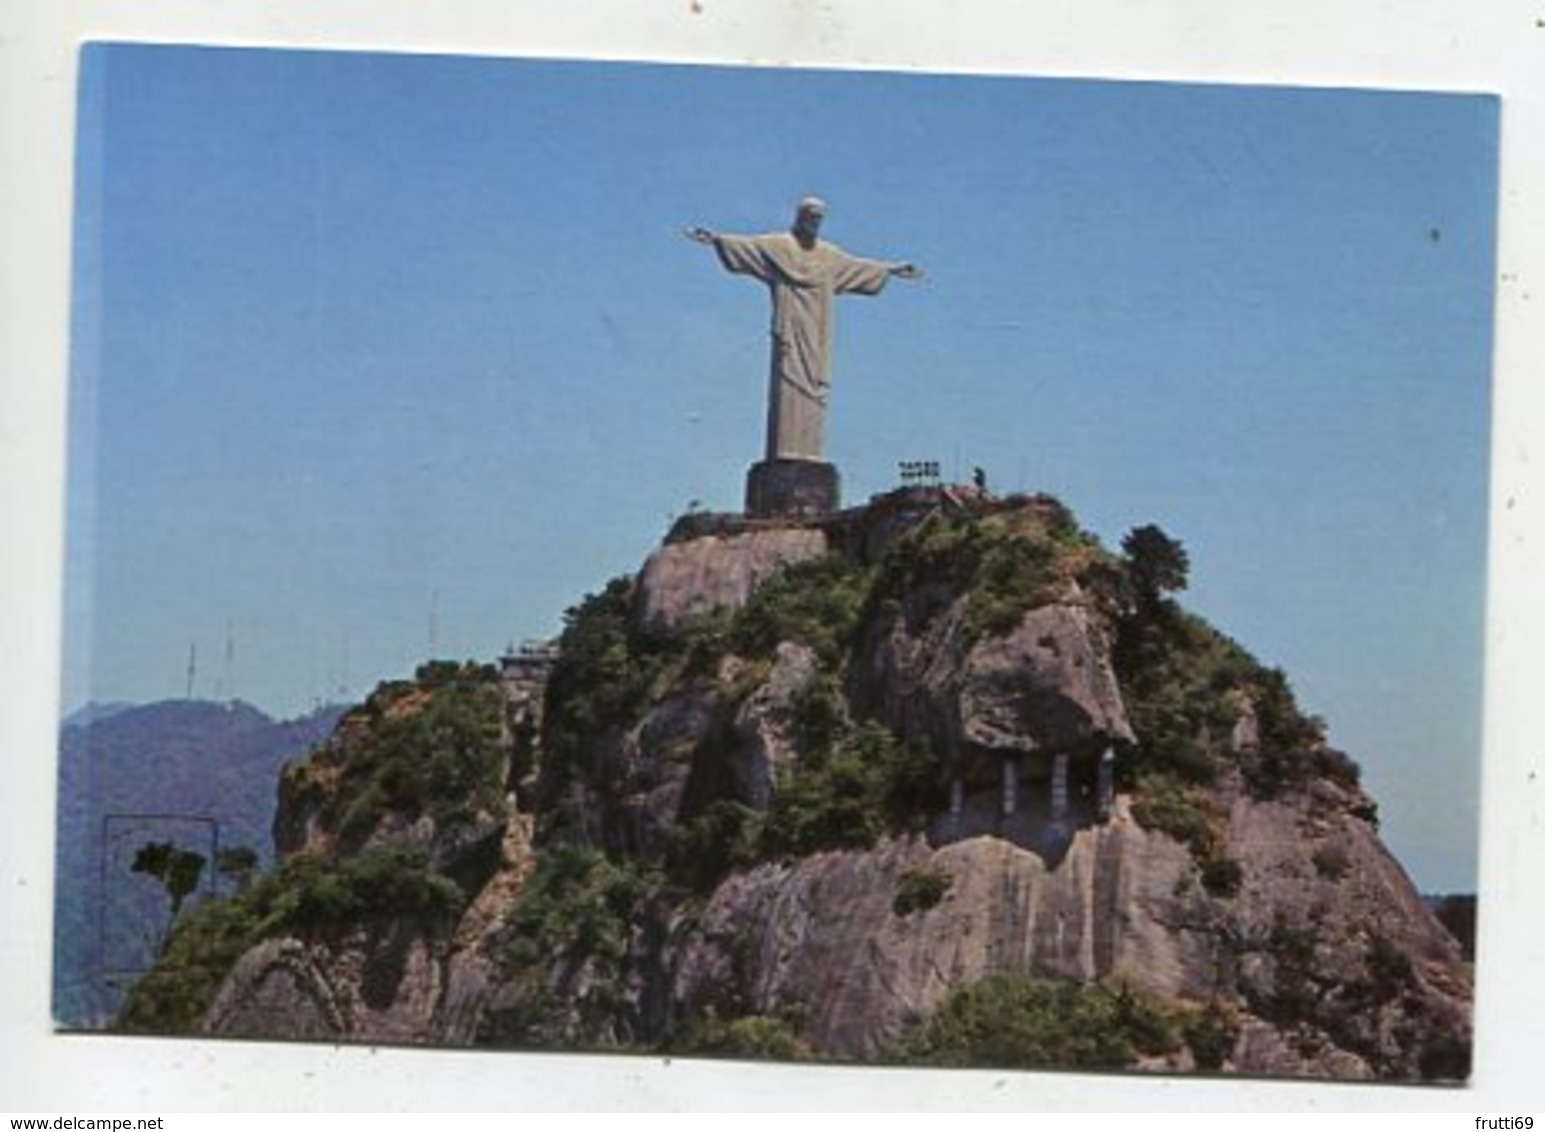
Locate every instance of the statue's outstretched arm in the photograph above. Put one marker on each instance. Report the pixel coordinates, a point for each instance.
(906, 271)
(701, 235)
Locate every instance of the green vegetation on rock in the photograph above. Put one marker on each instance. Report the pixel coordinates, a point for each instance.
(1190, 815)
(1155, 563)
(1007, 563)
(814, 603)
(755, 1036)
(1211, 1034)
(577, 905)
(435, 746)
(1187, 687)
(853, 783)
(306, 897)
(1179, 809)
(606, 674)
(566, 950)
(178, 871)
(1018, 1022)
(920, 889)
(744, 741)
(724, 837)
(849, 795)
(868, 784)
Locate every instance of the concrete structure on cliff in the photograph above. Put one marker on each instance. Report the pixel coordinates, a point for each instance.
(803, 274)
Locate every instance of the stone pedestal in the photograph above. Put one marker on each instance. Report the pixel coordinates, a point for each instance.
(791, 488)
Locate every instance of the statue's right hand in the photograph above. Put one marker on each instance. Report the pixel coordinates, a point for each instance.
(701, 235)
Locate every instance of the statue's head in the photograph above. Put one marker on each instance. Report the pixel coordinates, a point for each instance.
(807, 220)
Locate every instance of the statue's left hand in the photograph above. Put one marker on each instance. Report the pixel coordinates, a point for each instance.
(907, 271)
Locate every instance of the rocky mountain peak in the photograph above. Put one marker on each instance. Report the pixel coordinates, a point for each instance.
(863, 787)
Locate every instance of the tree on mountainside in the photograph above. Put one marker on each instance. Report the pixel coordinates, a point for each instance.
(1156, 563)
(177, 870)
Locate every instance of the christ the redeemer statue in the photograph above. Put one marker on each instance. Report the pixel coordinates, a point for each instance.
(804, 274)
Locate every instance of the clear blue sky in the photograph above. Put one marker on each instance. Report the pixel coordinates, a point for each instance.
(376, 349)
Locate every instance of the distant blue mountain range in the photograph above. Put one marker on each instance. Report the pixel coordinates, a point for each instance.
(198, 774)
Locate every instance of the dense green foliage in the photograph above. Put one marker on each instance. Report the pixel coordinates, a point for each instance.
(815, 603)
(1189, 815)
(1006, 563)
(610, 669)
(606, 673)
(435, 745)
(576, 905)
(920, 889)
(1222, 876)
(1186, 686)
(199, 953)
(567, 947)
(1295, 988)
(320, 896)
(1017, 1022)
(722, 838)
(754, 1036)
(1211, 1035)
(306, 896)
(1181, 682)
(586, 930)
(1156, 564)
(866, 785)
(238, 864)
(848, 795)
(854, 782)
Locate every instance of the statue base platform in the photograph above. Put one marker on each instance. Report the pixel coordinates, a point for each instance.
(796, 489)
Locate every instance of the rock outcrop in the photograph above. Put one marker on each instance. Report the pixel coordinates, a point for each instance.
(1321, 989)
(831, 947)
(682, 581)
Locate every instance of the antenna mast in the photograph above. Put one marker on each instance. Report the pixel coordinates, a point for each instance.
(434, 623)
(228, 679)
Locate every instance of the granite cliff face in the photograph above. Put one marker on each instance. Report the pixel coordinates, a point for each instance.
(686, 580)
(823, 790)
(1372, 989)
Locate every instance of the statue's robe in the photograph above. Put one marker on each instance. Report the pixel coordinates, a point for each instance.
(803, 283)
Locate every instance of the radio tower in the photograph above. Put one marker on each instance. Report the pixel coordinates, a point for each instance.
(228, 677)
(434, 624)
(192, 668)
